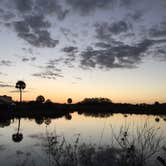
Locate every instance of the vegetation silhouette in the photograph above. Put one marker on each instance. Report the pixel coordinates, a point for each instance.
(40, 99)
(69, 100)
(96, 101)
(17, 137)
(162, 159)
(4, 122)
(68, 116)
(125, 149)
(47, 121)
(20, 85)
(97, 106)
(39, 121)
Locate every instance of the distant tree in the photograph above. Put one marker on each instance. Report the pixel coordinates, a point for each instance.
(48, 101)
(20, 85)
(69, 100)
(156, 103)
(40, 99)
(96, 101)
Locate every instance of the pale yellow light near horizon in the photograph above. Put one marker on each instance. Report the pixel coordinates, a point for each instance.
(60, 93)
(140, 85)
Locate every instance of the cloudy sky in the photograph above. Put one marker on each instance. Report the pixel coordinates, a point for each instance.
(84, 48)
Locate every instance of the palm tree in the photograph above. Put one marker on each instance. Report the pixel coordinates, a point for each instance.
(20, 85)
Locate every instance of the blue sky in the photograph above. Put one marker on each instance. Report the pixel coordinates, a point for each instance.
(90, 48)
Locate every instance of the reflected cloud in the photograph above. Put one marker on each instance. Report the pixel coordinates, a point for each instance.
(2, 148)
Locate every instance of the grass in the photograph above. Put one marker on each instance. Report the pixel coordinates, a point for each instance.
(126, 149)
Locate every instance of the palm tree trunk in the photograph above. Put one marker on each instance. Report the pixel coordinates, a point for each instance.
(20, 95)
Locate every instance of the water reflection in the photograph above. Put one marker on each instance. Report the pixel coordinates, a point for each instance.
(90, 126)
(17, 137)
(47, 121)
(4, 122)
(39, 121)
(68, 116)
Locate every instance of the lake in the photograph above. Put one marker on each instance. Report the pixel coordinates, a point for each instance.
(90, 129)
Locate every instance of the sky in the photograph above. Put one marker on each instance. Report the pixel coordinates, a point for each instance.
(91, 48)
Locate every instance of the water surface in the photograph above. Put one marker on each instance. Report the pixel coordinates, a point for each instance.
(90, 129)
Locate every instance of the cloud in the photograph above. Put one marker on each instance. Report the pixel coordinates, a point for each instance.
(52, 65)
(2, 148)
(102, 45)
(136, 15)
(6, 16)
(5, 63)
(78, 78)
(24, 6)
(4, 85)
(47, 7)
(33, 29)
(16, 91)
(121, 56)
(87, 6)
(158, 31)
(3, 75)
(48, 75)
(30, 19)
(51, 7)
(33, 58)
(71, 54)
(105, 30)
(70, 49)
(49, 70)
(25, 59)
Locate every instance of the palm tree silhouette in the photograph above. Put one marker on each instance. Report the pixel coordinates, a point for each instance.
(17, 137)
(20, 85)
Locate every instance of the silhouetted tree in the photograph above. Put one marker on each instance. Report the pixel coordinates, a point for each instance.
(40, 99)
(17, 137)
(20, 85)
(156, 103)
(69, 100)
(96, 101)
(48, 101)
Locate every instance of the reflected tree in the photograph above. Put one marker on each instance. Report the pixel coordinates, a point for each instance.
(39, 121)
(17, 137)
(68, 116)
(157, 119)
(20, 85)
(4, 122)
(47, 121)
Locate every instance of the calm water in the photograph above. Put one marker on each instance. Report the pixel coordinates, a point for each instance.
(98, 130)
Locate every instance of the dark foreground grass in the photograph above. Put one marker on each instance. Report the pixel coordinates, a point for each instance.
(144, 148)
